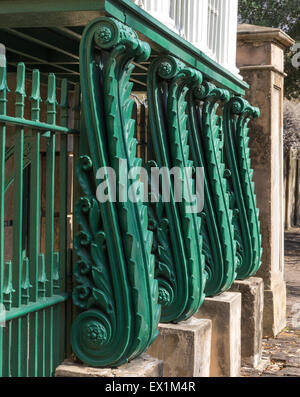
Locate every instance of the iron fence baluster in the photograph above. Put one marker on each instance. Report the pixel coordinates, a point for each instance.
(17, 218)
(71, 309)
(34, 228)
(3, 100)
(8, 291)
(25, 286)
(58, 313)
(42, 280)
(63, 176)
(63, 206)
(49, 226)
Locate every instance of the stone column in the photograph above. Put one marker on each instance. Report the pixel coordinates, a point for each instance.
(260, 57)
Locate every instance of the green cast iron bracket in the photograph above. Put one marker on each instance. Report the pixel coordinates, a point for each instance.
(116, 290)
(178, 243)
(241, 185)
(206, 142)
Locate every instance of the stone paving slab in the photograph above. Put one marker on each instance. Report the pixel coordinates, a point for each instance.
(283, 352)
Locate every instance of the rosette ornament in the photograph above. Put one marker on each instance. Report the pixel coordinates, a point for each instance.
(177, 239)
(116, 289)
(206, 140)
(237, 114)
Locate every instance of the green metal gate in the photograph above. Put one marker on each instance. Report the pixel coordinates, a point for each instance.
(35, 275)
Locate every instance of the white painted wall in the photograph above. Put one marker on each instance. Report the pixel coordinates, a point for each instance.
(210, 25)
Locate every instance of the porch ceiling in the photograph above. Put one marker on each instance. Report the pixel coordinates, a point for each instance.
(53, 49)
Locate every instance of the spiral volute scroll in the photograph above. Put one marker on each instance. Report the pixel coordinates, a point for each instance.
(116, 292)
(206, 142)
(177, 238)
(237, 114)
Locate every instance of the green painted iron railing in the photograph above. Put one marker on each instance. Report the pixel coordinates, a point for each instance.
(193, 124)
(33, 282)
(135, 264)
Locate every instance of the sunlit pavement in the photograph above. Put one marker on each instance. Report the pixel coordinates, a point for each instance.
(283, 352)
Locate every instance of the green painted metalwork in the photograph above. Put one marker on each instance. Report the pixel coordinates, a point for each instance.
(116, 270)
(206, 142)
(32, 288)
(3, 100)
(178, 242)
(74, 13)
(8, 290)
(118, 258)
(171, 43)
(34, 220)
(241, 185)
(17, 218)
